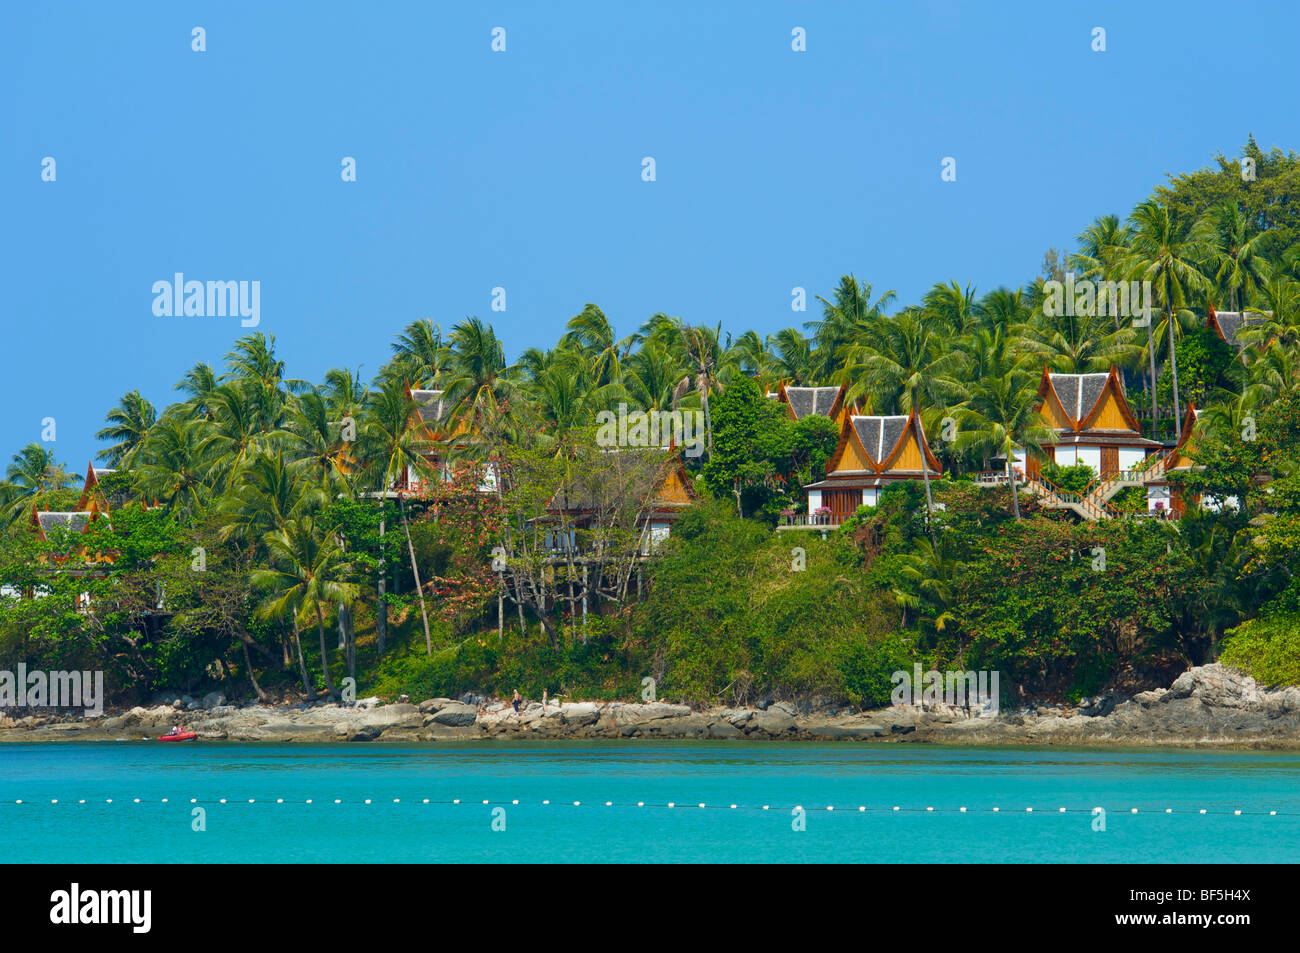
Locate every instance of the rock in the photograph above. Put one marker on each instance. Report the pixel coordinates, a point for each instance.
(1147, 699)
(579, 713)
(773, 721)
(371, 702)
(624, 715)
(213, 700)
(1221, 687)
(431, 705)
(1183, 685)
(723, 729)
(455, 715)
(785, 707)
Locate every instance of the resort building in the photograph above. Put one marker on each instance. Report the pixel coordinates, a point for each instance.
(1229, 325)
(827, 401)
(873, 451)
(651, 483)
(1161, 498)
(435, 412)
(1093, 422)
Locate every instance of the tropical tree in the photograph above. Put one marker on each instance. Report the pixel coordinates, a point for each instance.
(129, 424)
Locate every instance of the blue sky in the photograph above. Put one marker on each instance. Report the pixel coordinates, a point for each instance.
(522, 169)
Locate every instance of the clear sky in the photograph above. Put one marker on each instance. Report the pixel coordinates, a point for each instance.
(522, 169)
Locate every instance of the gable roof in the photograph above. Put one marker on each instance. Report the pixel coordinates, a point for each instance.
(429, 404)
(76, 521)
(880, 440)
(802, 401)
(669, 474)
(1229, 324)
(1080, 399)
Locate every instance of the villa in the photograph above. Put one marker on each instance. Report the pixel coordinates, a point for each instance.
(1093, 422)
(873, 451)
(828, 401)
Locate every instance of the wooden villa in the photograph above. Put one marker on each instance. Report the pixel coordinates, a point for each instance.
(652, 482)
(434, 411)
(1094, 424)
(873, 451)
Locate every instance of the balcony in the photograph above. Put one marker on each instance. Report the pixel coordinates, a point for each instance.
(817, 521)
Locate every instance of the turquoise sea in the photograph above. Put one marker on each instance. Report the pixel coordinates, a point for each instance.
(1169, 789)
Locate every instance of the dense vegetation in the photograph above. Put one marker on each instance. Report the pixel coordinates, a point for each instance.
(249, 546)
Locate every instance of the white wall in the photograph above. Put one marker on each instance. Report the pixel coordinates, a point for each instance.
(1131, 457)
(1159, 494)
(814, 500)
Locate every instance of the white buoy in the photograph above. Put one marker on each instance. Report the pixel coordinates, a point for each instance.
(1236, 812)
(1202, 810)
(670, 804)
(962, 809)
(829, 807)
(861, 808)
(1029, 810)
(279, 800)
(765, 807)
(929, 809)
(733, 807)
(426, 800)
(456, 800)
(397, 800)
(995, 810)
(194, 800)
(609, 803)
(367, 800)
(515, 801)
(640, 803)
(701, 804)
(223, 800)
(137, 800)
(308, 801)
(577, 804)
(896, 807)
(544, 802)
(1169, 810)
(1062, 810)
(1133, 810)
(337, 801)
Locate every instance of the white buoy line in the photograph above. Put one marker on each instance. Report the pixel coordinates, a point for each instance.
(702, 805)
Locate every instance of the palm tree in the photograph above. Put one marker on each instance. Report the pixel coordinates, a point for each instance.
(199, 383)
(1236, 257)
(393, 438)
(477, 377)
(420, 354)
(173, 474)
(847, 318)
(307, 572)
(1002, 418)
(1165, 250)
(129, 425)
(590, 333)
(906, 361)
(31, 473)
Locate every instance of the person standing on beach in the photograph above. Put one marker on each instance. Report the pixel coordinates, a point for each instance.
(515, 701)
(543, 699)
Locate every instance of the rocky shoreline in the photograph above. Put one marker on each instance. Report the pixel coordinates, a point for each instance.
(1208, 706)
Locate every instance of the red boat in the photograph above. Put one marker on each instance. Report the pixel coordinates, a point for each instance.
(181, 736)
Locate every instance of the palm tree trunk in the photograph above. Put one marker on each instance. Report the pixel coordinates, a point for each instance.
(925, 472)
(1173, 367)
(252, 676)
(302, 664)
(381, 606)
(324, 652)
(415, 571)
(1011, 478)
(1151, 351)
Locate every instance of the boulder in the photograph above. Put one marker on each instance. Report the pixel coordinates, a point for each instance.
(213, 700)
(432, 705)
(773, 721)
(579, 713)
(455, 715)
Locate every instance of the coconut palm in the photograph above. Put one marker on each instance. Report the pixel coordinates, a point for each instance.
(1002, 419)
(32, 473)
(307, 572)
(129, 424)
(1166, 250)
(173, 475)
(420, 354)
(905, 362)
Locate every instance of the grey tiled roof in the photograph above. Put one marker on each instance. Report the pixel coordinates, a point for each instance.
(879, 435)
(75, 522)
(1078, 392)
(1233, 322)
(811, 400)
(431, 405)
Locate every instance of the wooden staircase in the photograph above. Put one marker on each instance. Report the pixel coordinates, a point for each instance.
(1094, 502)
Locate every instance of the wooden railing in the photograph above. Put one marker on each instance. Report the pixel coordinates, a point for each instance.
(807, 519)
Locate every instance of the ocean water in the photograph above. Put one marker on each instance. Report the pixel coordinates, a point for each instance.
(398, 826)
